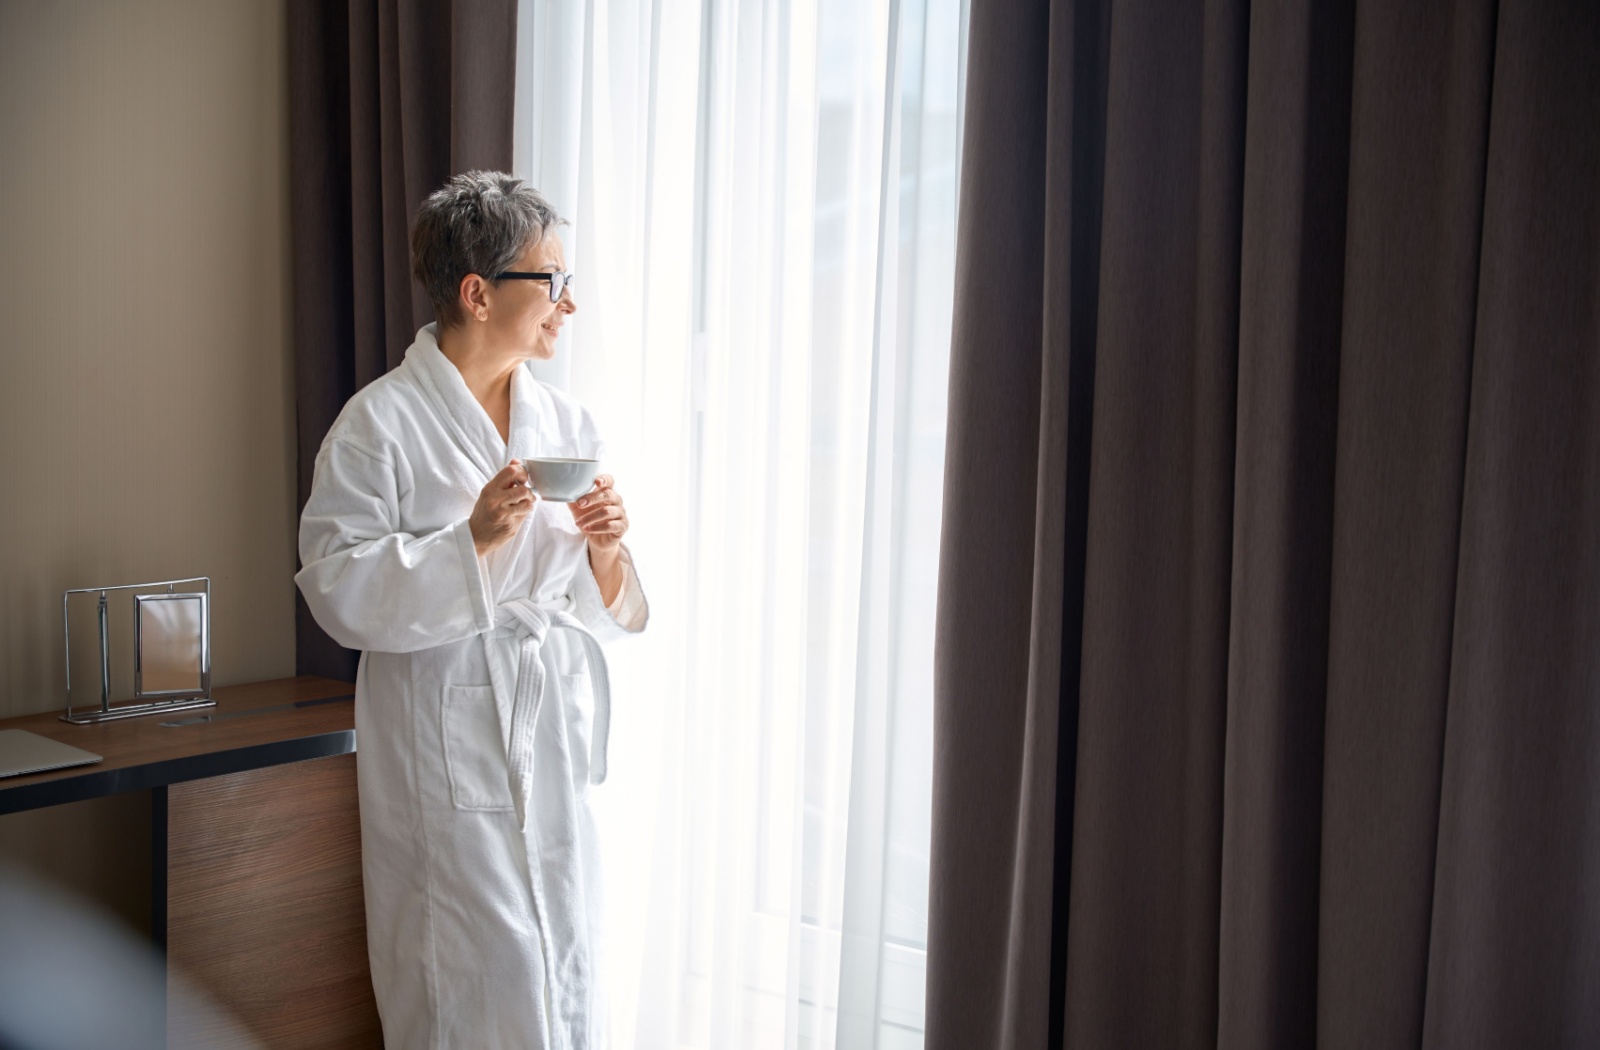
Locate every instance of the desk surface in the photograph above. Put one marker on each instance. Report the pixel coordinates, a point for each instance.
(142, 753)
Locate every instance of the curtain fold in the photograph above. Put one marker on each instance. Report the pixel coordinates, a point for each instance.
(983, 809)
(1291, 306)
(1275, 702)
(1415, 204)
(1142, 911)
(387, 99)
(1514, 938)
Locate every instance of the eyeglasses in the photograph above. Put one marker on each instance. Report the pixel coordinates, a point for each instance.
(558, 281)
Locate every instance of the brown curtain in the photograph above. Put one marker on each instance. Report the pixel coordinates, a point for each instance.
(388, 98)
(1268, 656)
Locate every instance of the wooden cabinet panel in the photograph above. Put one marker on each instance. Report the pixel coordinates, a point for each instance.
(264, 906)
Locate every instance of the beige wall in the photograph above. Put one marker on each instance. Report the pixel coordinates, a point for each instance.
(146, 407)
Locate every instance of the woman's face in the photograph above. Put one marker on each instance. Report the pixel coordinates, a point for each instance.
(520, 313)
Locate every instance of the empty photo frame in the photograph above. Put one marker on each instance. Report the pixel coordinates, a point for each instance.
(171, 649)
(172, 646)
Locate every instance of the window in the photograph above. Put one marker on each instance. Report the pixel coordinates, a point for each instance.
(763, 206)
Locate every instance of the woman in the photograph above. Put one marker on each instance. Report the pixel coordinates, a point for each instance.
(477, 607)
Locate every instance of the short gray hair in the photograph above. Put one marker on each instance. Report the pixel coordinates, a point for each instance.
(477, 222)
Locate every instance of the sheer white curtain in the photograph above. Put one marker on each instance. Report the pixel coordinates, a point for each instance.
(762, 196)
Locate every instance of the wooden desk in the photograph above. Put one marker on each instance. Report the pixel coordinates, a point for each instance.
(256, 853)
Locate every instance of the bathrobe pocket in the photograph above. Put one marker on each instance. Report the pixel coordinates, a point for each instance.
(474, 750)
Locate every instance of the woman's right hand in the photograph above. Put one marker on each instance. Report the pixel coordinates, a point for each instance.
(501, 506)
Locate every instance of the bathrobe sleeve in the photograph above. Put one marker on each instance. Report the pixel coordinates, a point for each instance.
(629, 608)
(628, 614)
(372, 586)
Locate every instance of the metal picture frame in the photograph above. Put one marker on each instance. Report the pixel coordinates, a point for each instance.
(147, 642)
(146, 701)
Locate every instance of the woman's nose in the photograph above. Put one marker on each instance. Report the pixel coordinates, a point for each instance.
(566, 304)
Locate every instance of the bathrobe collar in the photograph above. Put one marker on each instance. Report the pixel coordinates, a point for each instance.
(468, 424)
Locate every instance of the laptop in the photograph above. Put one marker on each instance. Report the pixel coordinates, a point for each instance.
(24, 752)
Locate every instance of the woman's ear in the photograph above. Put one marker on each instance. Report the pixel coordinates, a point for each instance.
(473, 297)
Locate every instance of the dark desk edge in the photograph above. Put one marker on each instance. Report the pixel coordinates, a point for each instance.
(94, 783)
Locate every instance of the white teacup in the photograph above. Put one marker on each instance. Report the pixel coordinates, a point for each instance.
(561, 480)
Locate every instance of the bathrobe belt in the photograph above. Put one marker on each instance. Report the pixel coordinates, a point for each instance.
(530, 623)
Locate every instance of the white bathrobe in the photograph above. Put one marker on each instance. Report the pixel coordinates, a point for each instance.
(481, 707)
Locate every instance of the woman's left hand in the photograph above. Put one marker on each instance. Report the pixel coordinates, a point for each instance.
(600, 516)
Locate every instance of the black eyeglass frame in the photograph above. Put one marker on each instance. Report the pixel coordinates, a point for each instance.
(556, 287)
